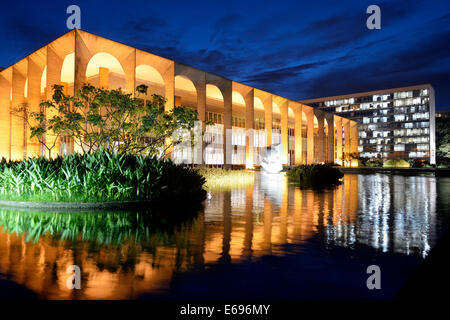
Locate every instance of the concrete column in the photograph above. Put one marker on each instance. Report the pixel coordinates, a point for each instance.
(320, 138)
(54, 66)
(18, 151)
(249, 99)
(5, 115)
(34, 99)
(129, 67)
(169, 94)
(228, 122)
(268, 119)
(310, 136)
(82, 57)
(284, 131)
(354, 142)
(346, 125)
(338, 125)
(169, 87)
(330, 137)
(201, 110)
(298, 136)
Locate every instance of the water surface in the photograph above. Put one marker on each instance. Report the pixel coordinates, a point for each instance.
(271, 240)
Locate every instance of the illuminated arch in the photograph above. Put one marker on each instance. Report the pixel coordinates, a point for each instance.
(149, 76)
(185, 92)
(238, 98)
(304, 137)
(44, 80)
(213, 92)
(116, 75)
(258, 104)
(276, 123)
(25, 89)
(68, 69)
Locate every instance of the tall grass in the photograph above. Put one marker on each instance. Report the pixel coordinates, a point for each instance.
(100, 176)
(224, 179)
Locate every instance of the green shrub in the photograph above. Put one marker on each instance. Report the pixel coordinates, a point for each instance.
(396, 163)
(99, 176)
(442, 166)
(316, 176)
(374, 163)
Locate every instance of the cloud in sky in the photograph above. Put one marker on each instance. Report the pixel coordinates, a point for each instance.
(295, 49)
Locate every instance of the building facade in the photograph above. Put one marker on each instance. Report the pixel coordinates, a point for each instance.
(246, 119)
(392, 123)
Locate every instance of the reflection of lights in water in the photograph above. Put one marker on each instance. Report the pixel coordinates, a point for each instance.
(271, 185)
(393, 214)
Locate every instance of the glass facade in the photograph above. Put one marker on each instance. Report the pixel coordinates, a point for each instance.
(394, 123)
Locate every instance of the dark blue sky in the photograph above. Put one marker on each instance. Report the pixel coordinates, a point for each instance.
(297, 49)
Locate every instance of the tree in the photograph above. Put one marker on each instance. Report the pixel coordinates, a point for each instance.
(111, 119)
(443, 140)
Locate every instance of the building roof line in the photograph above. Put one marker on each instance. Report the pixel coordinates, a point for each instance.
(366, 93)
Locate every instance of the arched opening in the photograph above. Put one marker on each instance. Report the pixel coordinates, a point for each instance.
(304, 137)
(276, 123)
(25, 89)
(185, 95)
(213, 154)
(238, 138)
(105, 71)
(325, 143)
(185, 92)
(44, 83)
(259, 140)
(291, 136)
(149, 76)
(68, 73)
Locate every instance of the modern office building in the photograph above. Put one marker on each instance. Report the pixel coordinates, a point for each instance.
(392, 123)
(246, 119)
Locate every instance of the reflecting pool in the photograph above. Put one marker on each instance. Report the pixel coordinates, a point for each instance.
(270, 240)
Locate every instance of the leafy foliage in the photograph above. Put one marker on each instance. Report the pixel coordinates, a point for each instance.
(443, 140)
(111, 119)
(100, 176)
(315, 176)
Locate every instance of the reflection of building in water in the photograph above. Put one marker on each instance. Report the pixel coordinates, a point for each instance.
(387, 213)
(397, 212)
